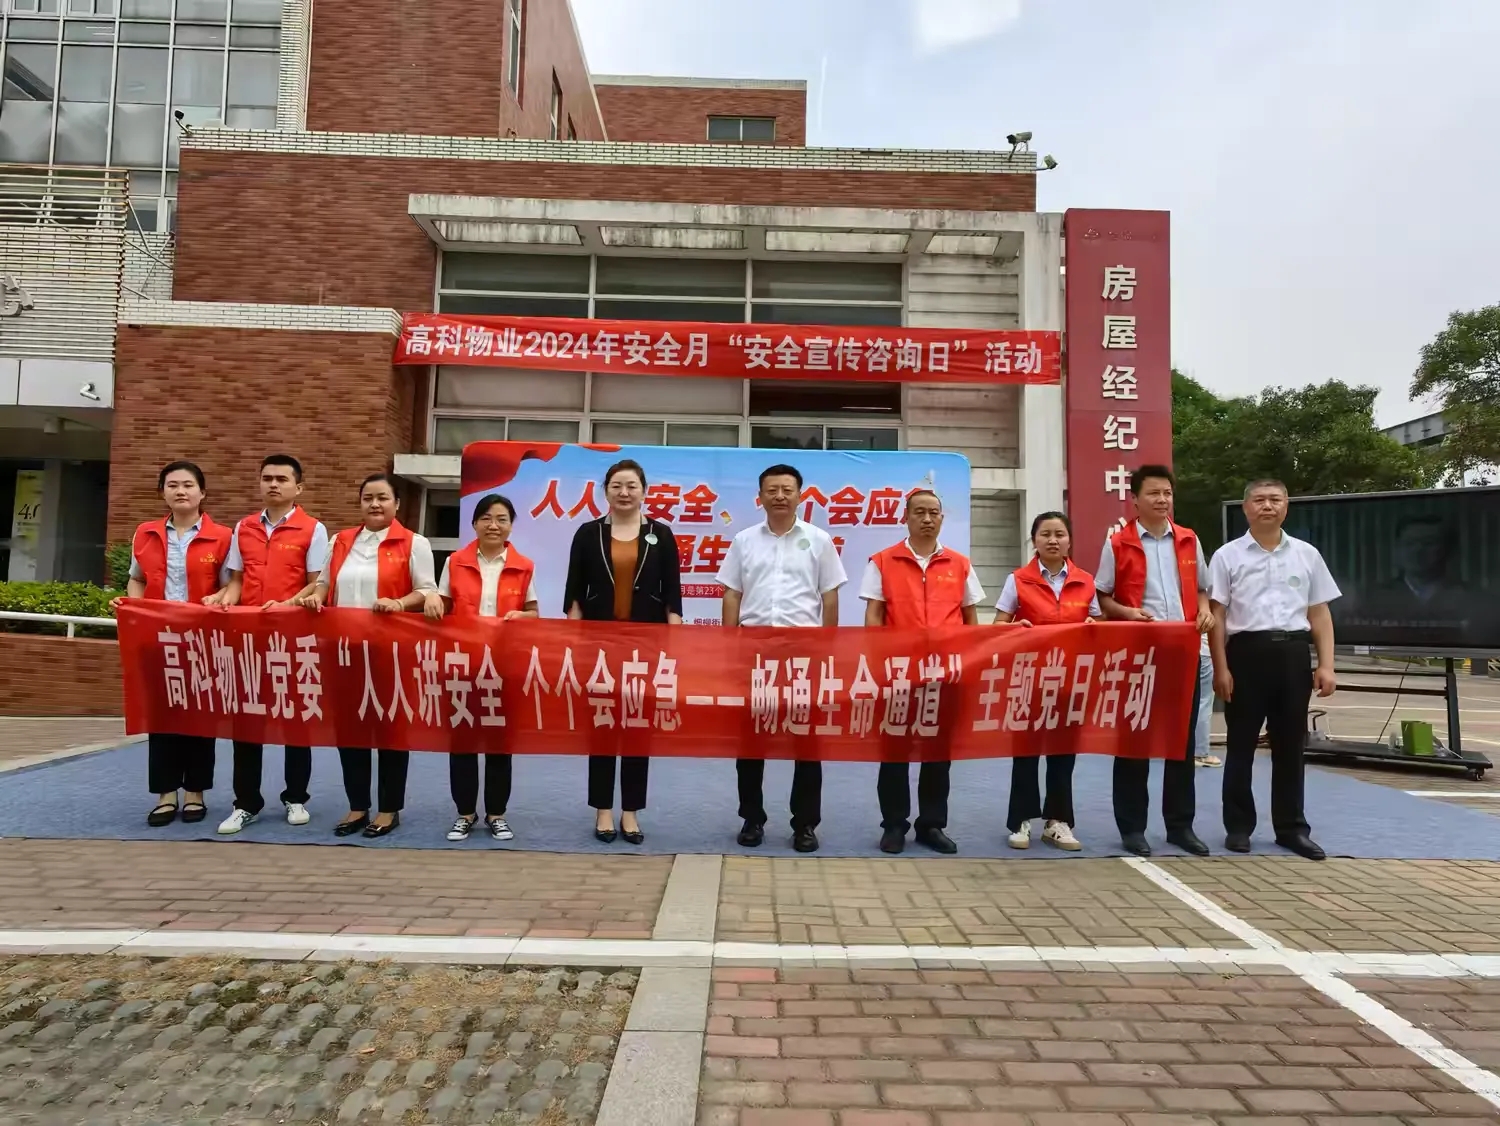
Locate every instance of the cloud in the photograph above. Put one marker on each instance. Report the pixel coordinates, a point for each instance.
(943, 24)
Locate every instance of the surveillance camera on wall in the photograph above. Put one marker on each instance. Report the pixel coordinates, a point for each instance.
(1049, 162)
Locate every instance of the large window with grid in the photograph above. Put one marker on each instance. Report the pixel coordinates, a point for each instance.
(98, 82)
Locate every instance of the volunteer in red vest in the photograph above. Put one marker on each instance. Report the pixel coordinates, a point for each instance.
(382, 567)
(1153, 570)
(486, 579)
(919, 584)
(1050, 590)
(181, 558)
(275, 559)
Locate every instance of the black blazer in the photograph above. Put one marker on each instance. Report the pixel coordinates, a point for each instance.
(591, 575)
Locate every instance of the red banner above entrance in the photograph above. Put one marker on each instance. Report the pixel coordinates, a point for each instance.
(875, 354)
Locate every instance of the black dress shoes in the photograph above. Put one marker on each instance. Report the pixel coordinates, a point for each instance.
(1303, 846)
(632, 836)
(805, 840)
(893, 841)
(751, 835)
(1188, 841)
(163, 814)
(1135, 844)
(1237, 842)
(349, 828)
(373, 830)
(937, 840)
(605, 836)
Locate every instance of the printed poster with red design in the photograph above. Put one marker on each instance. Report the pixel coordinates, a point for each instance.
(706, 495)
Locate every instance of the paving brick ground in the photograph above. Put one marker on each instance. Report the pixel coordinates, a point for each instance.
(1464, 1013)
(1037, 1048)
(115, 1043)
(251, 887)
(23, 739)
(1411, 906)
(953, 902)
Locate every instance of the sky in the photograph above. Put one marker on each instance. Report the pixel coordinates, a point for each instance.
(1332, 166)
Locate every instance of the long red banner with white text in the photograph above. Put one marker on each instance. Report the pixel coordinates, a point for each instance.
(767, 351)
(357, 679)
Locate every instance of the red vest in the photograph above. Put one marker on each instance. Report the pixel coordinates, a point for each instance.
(466, 584)
(1039, 606)
(275, 567)
(205, 557)
(915, 598)
(392, 561)
(1130, 568)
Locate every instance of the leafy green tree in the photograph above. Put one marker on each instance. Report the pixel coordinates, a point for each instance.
(1320, 439)
(1462, 364)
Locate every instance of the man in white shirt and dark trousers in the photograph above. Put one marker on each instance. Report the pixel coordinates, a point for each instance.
(783, 572)
(1270, 596)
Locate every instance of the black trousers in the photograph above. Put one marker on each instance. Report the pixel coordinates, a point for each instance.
(1272, 685)
(247, 770)
(807, 792)
(1179, 798)
(1025, 791)
(894, 790)
(463, 783)
(179, 762)
(633, 772)
(391, 787)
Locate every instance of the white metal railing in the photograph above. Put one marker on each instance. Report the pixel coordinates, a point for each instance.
(70, 620)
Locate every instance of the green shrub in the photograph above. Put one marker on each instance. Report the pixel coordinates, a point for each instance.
(117, 564)
(78, 600)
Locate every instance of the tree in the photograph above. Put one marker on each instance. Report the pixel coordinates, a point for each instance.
(1462, 364)
(1320, 439)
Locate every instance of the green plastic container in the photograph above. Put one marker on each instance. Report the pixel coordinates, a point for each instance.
(1416, 737)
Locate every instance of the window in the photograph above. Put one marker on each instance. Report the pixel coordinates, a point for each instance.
(748, 130)
(83, 107)
(252, 90)
(451, 435)
(514, 54)
(140, 109)
(26, 103)
(91, 7)
(554, 116)
(34, 7)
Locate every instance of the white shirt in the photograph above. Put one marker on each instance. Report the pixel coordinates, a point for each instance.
(1269, 590)
(1010, 599)
(872, 587)
(489, 582)
(317, 547)
(782, 578)
(359, 576)
(1162, 598)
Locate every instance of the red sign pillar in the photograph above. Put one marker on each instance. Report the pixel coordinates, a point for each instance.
(1118, 358)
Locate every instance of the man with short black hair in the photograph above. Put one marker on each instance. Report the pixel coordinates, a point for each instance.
(1153, 570)
(260, 576)
(781, 572)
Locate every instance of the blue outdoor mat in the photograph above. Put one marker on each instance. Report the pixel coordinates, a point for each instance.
(692, 809)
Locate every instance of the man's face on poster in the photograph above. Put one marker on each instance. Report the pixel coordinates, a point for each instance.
(1422, 550)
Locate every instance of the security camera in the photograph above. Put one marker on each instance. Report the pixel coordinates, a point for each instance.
(88, 392)
(178, 114)
(1049, 162)
(1019, 141)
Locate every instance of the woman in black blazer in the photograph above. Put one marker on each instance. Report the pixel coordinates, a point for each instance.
(623, 567)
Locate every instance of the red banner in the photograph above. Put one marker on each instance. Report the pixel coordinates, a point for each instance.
(749, 351)
(358, 679)
(1119, 321)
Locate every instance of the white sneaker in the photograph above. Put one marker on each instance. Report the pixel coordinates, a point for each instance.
(1021, 838)
(499, 830)
(462, 826)
(1060, 835)
(296, 813)
(236, 821)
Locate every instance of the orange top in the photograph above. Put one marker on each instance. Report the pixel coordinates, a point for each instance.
(622, 559)
(1039, 605)
(205, 556)
(915, 598)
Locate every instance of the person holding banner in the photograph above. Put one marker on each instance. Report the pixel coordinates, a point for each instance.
(181, 558)
(1050, 590)
(919, 584)
(782, 572)
(385, 568)
(486, 579)
(1153, 570)
(623, 567)
(261, 576)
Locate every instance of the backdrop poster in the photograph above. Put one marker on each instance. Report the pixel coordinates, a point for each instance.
(707, 495)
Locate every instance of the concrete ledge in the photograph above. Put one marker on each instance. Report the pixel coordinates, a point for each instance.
(690, 905)
(654, 1080)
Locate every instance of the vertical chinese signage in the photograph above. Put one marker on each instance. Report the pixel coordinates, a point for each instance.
(26, 524)
(1119, 363)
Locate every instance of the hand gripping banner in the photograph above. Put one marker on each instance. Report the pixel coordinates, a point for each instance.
(358, 679)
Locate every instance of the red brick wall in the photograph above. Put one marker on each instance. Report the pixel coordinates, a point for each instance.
(681, 113)
(438, 67)
(227, 397)
(64, 676)
(333, 230)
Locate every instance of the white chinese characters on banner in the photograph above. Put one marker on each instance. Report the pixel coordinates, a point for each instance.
(1118, 382)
